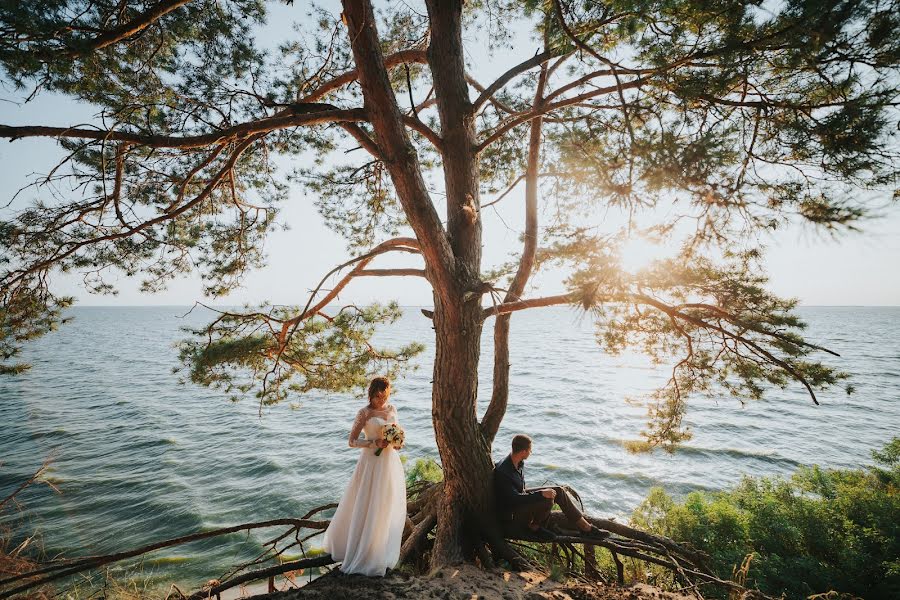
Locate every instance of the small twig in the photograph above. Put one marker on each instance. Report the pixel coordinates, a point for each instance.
(412, 102)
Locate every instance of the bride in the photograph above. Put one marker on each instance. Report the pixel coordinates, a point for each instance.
(367, 528)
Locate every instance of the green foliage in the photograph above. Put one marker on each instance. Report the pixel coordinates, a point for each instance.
(557, 572)
(26, 312)
(424, 469)
(755, 131)
(755, 93)
(359, 203)
(820, 530)
(239, 353)
(889, 459)
(183, 61)
(713, 321)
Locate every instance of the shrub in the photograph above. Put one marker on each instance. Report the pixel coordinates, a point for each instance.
(819, 531)
(424, 469)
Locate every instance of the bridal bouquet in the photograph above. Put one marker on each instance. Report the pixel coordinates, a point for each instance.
(393, 434)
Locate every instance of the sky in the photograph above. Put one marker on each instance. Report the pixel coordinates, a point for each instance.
(853, 269)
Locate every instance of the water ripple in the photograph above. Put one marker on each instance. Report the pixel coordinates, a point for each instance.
(141, 458)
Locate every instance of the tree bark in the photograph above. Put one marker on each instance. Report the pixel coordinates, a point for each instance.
(452, 258)
(460, 161)
(465, 454)
(394, 146)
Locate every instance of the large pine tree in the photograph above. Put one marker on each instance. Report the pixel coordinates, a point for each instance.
(725, 119)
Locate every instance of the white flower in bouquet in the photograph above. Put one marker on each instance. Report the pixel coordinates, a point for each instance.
(394, 435)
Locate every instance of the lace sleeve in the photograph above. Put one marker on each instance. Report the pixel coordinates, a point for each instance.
(358, 423)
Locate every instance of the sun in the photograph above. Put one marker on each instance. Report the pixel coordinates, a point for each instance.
(638, 253)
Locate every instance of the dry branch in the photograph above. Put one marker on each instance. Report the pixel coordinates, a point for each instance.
(685, 562)
(66, 568)
(34, 477)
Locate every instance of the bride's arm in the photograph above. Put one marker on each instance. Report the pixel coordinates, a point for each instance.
(358, 423)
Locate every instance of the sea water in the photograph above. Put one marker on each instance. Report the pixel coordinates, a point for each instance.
(139, 457)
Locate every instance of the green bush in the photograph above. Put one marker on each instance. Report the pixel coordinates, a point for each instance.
(820, 530)
(424, 469)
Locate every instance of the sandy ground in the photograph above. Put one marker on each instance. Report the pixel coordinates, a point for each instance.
(463, 583)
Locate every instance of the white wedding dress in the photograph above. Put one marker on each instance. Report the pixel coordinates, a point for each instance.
(367, 527)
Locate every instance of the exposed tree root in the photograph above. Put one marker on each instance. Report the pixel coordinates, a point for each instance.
(687, 564)
(61, 569)
(219, 587)
(418, 535)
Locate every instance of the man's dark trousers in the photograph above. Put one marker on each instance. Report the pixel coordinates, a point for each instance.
(539, 512)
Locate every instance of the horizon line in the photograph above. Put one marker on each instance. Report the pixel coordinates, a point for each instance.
(423, 305)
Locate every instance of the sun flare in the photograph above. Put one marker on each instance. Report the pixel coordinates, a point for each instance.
(638, 253)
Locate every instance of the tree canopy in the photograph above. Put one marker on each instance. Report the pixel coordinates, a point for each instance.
(717, 121)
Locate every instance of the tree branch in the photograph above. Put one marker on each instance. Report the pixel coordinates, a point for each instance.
(615, 73)
(730, 334)
(493, 99)
(363, 138)
(535, 61)
(68, 568)
(34, 477)
(496, 409)
(129, 29)
(427, 132)
(516, 182)
(413, 55)
(509, 307)
(395, 244)
(397, 152)
(167, 216)
(734, 319)
(674, 313)
(390, 273)
(288, 118)
(548, 108)
(306, 563)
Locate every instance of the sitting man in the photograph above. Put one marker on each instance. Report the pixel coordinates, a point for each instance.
(522, 509)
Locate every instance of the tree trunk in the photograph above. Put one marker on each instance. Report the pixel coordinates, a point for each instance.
(453, 260)
(465, 454)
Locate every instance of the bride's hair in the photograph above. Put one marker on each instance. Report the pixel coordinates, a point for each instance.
(378, 385)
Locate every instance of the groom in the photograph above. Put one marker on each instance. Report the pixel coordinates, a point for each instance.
(520, 508)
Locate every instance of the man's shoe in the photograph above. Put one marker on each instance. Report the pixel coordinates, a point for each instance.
(596, 533)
